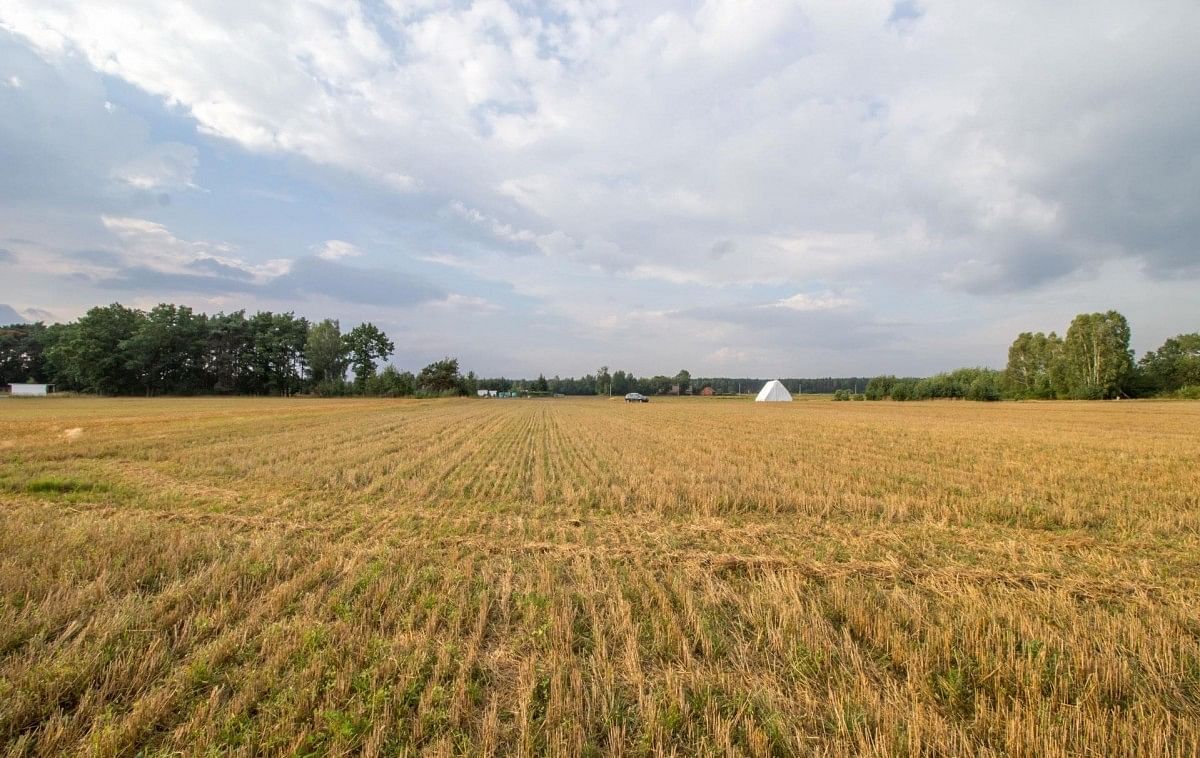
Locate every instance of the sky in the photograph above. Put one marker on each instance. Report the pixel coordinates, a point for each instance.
(769, 188)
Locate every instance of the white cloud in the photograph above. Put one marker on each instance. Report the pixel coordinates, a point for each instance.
(14, 81)
(728, 357)
(467, 304)
(151, 245)
(165, 166)
(808, 303)
(661, 154)
(334, 250)
(647, 134)
(493, 225)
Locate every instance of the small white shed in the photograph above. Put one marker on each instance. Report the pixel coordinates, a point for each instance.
(30, 390)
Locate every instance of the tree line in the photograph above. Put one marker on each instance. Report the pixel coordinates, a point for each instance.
(617, 383)
(1092, 362)
(173, 350)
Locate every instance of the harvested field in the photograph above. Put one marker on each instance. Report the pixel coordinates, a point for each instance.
(586, 577)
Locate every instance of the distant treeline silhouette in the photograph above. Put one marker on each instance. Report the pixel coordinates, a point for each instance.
(173, 350)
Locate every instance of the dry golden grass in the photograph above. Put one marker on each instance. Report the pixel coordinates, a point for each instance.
(589, 577)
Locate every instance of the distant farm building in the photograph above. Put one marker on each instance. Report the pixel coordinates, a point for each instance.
(773, 392)
(708, 392)
(30, 390)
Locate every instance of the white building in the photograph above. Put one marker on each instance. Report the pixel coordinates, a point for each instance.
(30, 390)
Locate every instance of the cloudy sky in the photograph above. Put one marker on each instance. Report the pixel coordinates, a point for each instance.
(737, 188)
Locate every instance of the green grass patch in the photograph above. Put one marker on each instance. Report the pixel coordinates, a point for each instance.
(61, 486)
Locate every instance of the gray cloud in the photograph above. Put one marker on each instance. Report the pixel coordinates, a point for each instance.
(722, 248)
(214, 267)
(98, 257)
(39, 314)
(353, 284)
(308, 277)
(143, 279)
(1022, 264)
(780, 328)
(9, 315)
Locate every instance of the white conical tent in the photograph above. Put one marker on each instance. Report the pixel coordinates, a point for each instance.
(773, 392)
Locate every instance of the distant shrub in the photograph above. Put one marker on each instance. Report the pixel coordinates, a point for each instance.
(333, 388)
(905, 389)
(841, 395)
(391, 383)
(880, 387)
(859, 396)
(427, 393)
(971, 383)
(985, 387)
(1190, 392)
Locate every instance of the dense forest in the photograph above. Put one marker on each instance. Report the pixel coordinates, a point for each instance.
(173, 350)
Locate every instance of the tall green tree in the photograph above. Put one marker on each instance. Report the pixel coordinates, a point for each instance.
(57, 358)
(326, 352)
(1175, 365)
(684, 380)
(366, 344)
(229, 352)
(166, 353)
(91, 355)
(1097, 358)
(1035, 365)
(440, 377)
(21, 348)
(274, 364)
(621, 383)
(603, 381)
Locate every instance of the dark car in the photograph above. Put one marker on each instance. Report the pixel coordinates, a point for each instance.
(636, 397)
